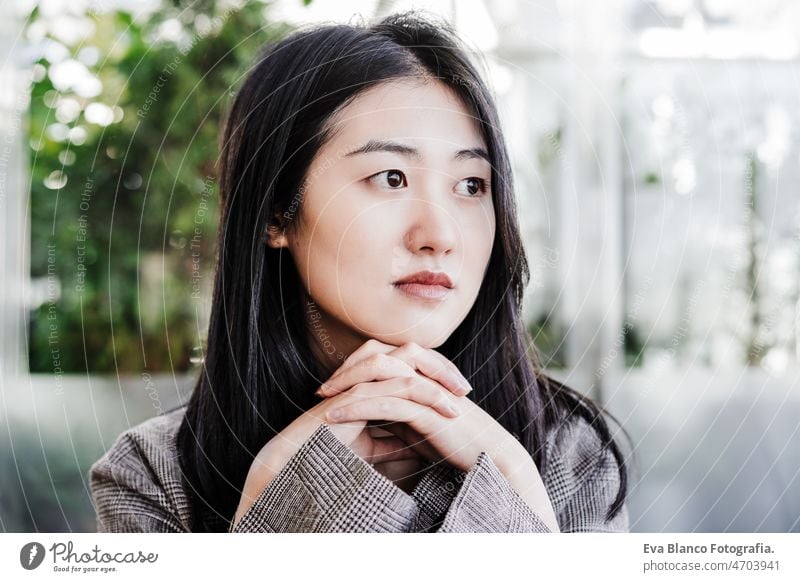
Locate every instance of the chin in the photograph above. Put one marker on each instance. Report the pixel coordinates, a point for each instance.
(426, 340)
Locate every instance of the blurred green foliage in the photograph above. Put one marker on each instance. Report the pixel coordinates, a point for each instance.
(123, 183)
(549, 341)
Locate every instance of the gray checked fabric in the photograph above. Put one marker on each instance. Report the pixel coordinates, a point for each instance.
(326, 487)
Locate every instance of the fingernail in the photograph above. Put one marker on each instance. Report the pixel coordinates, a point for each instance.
(465, 387)
(453, 409)
(335, 414)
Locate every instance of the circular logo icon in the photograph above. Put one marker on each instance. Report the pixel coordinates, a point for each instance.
(31, 555)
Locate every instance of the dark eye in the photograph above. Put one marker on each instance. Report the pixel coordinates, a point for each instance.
(473, 186)
(393, 178)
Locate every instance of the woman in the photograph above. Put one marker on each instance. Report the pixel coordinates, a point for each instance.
(369, 264)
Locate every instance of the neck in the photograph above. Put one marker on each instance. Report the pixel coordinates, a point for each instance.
(330, 341)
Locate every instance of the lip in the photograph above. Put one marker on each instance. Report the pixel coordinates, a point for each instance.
(427, 278)
(425, 285)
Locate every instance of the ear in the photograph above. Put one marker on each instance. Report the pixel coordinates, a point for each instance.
(276, 233)
(276, 236)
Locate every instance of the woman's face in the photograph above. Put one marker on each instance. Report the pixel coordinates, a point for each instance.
(402, 187)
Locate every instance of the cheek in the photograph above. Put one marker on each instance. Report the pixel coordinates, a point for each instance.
(479, 239)
(348, 249)
(365, 243)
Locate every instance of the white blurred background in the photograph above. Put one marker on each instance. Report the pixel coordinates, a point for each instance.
(656, 146)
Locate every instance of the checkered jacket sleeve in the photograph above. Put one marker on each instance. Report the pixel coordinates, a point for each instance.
(327, 487)
(582, 481)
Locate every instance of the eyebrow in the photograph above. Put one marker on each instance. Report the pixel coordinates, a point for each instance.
(380, 145)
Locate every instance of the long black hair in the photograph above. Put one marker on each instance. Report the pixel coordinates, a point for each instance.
(259, 373)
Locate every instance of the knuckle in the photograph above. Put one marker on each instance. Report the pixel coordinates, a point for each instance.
(408, 383)
(357, 393)
(412, 347)
(381, 361)
(414, 392)
(372, 343)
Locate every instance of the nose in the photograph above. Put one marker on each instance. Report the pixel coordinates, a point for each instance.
(434, 226)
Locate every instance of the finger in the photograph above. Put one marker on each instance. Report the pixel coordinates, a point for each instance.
(391, 449)
(373, 368)
(415, 388)
(411, 437)
(368, 348)
(376, 430)
(382, 366)
(433, 365)
(422, 418)
(403, 432)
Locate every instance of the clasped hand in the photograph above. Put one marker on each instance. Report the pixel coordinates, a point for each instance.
(417, 395)
(397, 404)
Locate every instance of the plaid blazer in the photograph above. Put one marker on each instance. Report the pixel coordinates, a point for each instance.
(326, 487)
